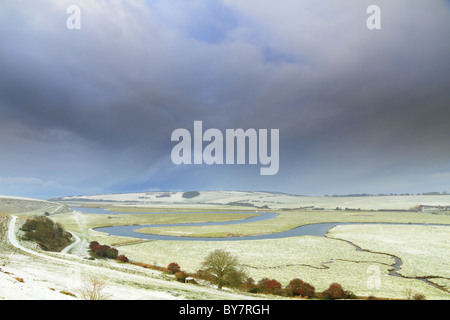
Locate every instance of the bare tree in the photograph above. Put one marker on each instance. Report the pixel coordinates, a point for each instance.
(220, 265)
(93, 289)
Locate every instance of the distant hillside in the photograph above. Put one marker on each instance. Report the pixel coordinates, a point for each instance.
(244, 199)
(15, 205)
(258, 200)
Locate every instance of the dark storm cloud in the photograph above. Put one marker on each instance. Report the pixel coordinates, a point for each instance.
(93, 109)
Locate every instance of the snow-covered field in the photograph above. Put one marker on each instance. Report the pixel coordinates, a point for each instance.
(425, 250)
(319, 261)
(30, 274)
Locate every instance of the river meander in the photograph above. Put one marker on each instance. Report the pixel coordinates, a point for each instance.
(315, 229)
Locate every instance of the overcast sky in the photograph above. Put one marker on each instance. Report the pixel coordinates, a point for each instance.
(92, 110)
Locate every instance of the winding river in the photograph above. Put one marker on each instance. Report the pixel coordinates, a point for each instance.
(316, 229)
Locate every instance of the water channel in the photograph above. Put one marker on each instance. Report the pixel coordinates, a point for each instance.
(316, 229)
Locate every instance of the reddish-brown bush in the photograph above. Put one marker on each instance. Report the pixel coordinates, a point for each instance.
(298, 287)
(93, 245)
(334, 291)
(266, 285)
(273, 284)
(103, 250)
(123, 258)
(173, 268)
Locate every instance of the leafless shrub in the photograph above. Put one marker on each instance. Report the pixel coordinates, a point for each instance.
(93, 289)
